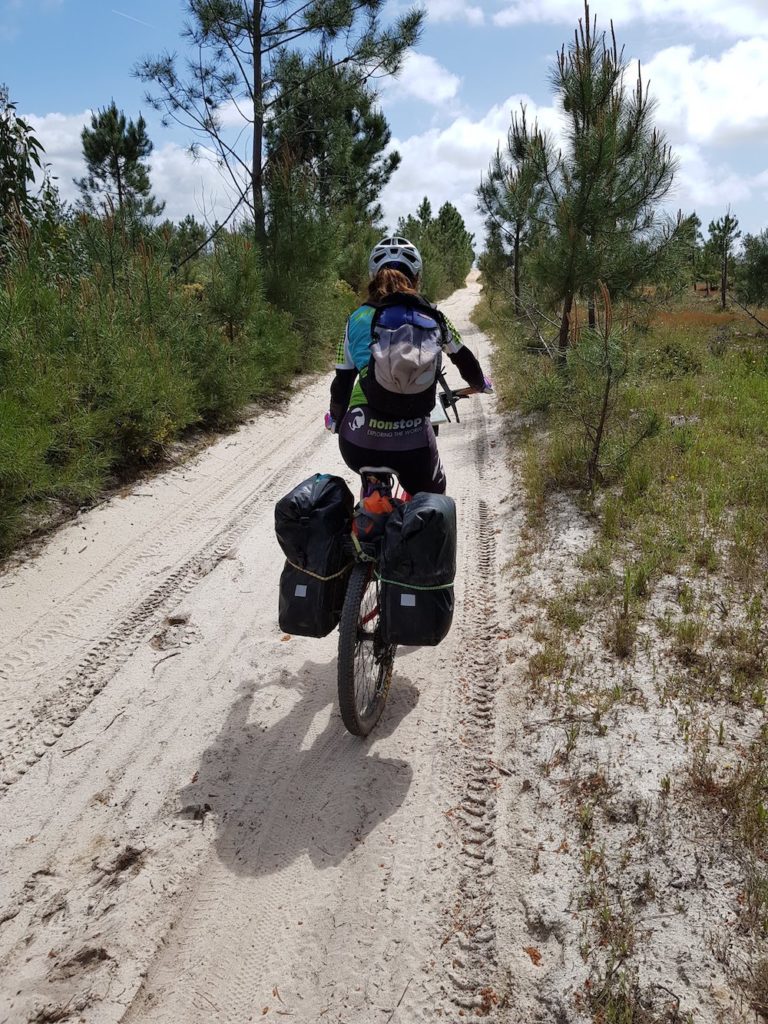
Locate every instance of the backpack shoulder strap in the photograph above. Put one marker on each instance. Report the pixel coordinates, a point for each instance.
(440, 317)
(414, 301)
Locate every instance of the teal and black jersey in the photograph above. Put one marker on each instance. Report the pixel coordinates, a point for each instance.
(354, 351)
(355, 347)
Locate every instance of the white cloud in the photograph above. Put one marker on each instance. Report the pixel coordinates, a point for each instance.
(446, 164)
(60, 137)
(712, 99)
(423, 78)
(702, 182)
(740, 18)
(190, 186)
(455, 10)
(186, 185)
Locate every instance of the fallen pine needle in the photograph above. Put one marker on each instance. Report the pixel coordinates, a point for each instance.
(402, 997)
(171, 655)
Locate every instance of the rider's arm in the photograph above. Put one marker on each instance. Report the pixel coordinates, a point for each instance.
(344, 381)
(464, 360)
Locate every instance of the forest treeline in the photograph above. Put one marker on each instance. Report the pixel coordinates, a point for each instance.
(122, 329)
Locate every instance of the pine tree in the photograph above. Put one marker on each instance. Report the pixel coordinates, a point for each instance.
(753, 272)
(326, 125)
(115, 150)
(723, 234)
(445, 246)
(600, 193)
(238, 47)
(512, 193)
(424, 214)
(327, 163)
(455, 243)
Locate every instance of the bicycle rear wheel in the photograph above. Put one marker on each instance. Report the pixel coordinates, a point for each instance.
(364, 662)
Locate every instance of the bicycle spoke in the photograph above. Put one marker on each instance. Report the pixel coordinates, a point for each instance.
(364, 684)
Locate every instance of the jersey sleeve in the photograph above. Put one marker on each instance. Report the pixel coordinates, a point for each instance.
(343, 356)
(453, 340)
(461, 357)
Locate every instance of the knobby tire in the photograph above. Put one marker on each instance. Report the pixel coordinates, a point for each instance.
(364, 663)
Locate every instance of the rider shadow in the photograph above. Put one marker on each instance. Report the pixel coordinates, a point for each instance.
(300, 786)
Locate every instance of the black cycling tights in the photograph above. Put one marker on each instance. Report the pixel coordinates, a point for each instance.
(418, 469)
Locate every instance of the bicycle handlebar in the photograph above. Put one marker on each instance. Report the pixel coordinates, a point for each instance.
(465, 392)
(449, 397)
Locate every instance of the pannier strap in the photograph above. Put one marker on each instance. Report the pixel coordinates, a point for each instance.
(361, 555)
(411, 586)
(323, 579)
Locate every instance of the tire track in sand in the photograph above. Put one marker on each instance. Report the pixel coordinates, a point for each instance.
(28, 738)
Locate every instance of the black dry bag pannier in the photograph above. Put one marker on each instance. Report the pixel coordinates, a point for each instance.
(417, 570)
(313, 525)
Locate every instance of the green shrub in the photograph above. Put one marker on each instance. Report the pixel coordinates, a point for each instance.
(101, 369)
(543, 392)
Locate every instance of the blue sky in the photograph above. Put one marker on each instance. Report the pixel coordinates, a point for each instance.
(707, 61)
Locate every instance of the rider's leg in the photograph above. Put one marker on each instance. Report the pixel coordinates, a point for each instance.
(413, 456)
(420, 470)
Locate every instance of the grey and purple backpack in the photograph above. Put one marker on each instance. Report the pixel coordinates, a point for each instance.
(408, 336)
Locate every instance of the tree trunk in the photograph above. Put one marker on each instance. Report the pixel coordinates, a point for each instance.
(591, 313)
(565, 326)
(257, 180)
(593, 467)
(517, 271)
(724, 279)
(119, 183)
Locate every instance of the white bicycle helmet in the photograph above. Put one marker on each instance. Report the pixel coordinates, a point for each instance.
(396, 252)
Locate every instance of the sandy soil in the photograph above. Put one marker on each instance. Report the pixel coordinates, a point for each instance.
(188, 832)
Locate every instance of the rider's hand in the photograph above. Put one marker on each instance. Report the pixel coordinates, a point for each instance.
(330, 423)
(487, 386)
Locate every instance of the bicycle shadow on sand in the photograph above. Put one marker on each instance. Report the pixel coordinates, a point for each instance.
(300, 785)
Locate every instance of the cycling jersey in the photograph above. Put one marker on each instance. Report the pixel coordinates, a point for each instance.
(407, 445)
(354, 353)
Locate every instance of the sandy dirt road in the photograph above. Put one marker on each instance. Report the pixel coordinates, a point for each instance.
(188, 833)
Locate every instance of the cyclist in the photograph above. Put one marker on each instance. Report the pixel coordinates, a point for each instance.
(386, 421)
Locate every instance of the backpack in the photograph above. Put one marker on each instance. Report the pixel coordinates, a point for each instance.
(407, 339)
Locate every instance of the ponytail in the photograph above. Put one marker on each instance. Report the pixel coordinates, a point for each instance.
(388, 281)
